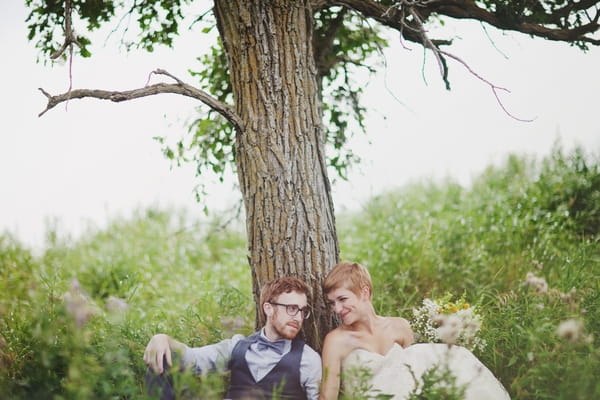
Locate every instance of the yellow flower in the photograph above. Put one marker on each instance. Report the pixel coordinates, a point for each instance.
(466, 306)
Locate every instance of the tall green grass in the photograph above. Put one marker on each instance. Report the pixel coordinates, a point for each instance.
(524, 216)
(74, 320)
(156, 272)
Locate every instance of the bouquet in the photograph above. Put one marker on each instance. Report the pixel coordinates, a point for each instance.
(446, 321)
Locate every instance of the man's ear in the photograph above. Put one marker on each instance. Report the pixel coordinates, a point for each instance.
(268, 309)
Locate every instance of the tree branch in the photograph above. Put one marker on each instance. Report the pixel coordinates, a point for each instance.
(468, 9)
(70, 38)
(180, 87)
(392, 17)
(495, 88)
(324, 44)
(408, 17)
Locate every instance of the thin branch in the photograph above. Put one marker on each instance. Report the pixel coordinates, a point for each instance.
(441, 61)
(487, 34)
(494, 87)
(468, 9)
(390, 16)
(180, 87)
(70, 38)
(428, 43)
(324, 44)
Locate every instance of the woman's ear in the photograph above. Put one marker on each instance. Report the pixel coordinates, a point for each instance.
(365, 292)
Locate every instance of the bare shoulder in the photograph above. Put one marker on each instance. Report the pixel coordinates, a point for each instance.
(335, 337)
(399, 322)
(403, 333)
(338, 343)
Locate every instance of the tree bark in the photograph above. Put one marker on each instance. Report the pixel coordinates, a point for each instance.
(280, 148)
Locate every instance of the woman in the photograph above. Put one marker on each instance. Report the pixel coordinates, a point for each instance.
(374, 355)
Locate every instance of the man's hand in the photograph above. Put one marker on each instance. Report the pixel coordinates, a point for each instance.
(158, 347)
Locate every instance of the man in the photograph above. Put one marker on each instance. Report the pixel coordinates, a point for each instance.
(271, 362)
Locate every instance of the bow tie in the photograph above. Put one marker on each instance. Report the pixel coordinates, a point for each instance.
(264, 343)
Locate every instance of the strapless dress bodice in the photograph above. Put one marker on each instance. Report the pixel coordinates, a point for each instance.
(397, 373)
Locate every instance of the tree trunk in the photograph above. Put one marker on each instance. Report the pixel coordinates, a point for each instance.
(280, 150)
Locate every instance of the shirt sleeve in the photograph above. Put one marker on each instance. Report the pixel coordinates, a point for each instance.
(310, 372)
(213, 357)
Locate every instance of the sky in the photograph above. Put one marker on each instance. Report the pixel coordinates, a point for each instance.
(88, 161)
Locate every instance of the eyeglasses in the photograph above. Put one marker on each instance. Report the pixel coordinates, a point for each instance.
(292, 309)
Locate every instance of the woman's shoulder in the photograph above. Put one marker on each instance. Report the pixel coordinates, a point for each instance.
(336, 335)
(401, 322)
(339, 342)
(396, 322)
(400, 329)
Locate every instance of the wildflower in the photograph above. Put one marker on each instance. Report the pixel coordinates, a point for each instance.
(4, 359)
(450, 329)
(570, 329)
(78, 305)
(569, 296)
(538, 283)
(448, 322)
(115, 304)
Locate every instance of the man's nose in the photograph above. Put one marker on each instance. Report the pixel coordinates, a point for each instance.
(298, 317)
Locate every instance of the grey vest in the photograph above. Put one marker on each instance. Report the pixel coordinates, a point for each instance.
(283, 381)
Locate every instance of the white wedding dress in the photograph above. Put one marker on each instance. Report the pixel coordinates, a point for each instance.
(390, 374)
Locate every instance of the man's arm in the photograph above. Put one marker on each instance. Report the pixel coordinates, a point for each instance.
(310, 372)
(204, 359)
(159, 347)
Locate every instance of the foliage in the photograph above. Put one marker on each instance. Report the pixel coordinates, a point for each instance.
(346, 41)
(152, 273)
(515, 243)
(358, 385)
(437, 383)
(210, 142)
(498, 242)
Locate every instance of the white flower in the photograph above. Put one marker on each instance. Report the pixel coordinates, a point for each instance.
(115, 304)
(570, 329)
(538, 283)
(448, 322)
(78, 305)
(450, 329)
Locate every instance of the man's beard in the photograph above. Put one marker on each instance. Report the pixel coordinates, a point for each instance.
(288, 333)
(286, 330)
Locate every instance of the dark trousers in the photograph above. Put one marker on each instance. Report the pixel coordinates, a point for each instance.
(160, 386)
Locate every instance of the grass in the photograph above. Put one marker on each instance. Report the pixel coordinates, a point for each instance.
(162, 271)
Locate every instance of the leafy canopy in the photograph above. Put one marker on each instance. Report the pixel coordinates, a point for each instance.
(347, 39)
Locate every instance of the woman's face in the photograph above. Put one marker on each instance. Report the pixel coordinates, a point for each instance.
(346, 304)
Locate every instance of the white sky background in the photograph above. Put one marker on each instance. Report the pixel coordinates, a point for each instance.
(97, 159)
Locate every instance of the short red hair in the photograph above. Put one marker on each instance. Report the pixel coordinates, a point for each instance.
(349, 275)
(272, 289)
